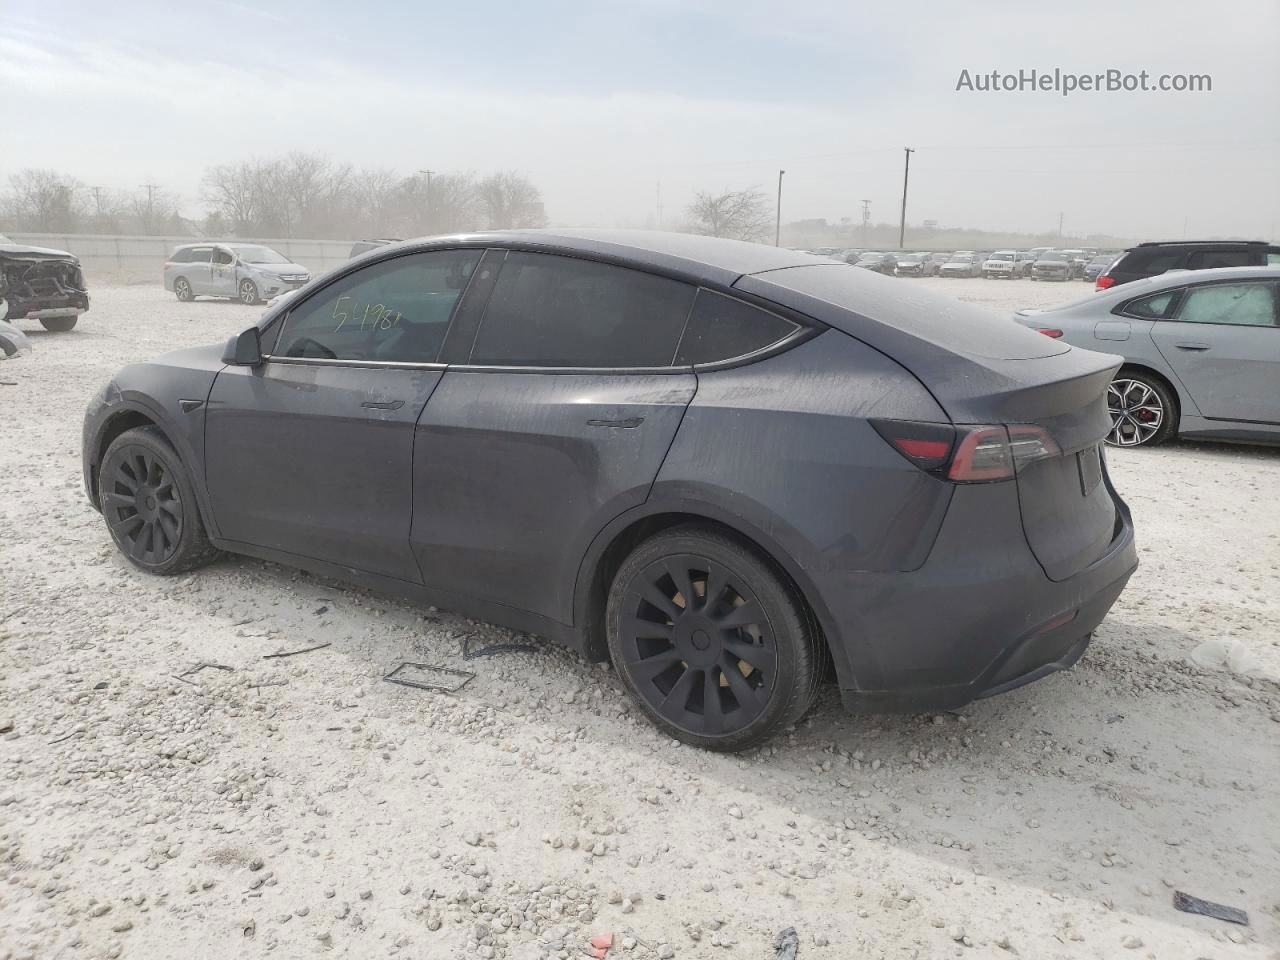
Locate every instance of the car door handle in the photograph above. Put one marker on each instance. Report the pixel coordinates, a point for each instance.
(1190, 345)
(628, 424)
(383, 405)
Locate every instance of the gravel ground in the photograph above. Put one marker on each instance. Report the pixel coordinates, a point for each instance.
(300, 805)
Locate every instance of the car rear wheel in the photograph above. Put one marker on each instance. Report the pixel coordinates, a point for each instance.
(1143, 410)
(249, 293)
(182, 289)
(718, 651)
(58, 324)
(150, 506)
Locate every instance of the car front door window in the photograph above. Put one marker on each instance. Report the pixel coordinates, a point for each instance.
(392, 311)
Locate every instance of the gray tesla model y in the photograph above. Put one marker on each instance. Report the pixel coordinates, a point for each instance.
(725, 466)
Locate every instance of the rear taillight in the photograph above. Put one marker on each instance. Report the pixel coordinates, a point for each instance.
(968, 454)
(1050, 332)
(1103, 282)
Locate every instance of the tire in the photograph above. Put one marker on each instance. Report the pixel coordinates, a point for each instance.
(58, 324)
(247, 293)
(671, 655)
(1144, 411)
(182, 290)
(149, 504)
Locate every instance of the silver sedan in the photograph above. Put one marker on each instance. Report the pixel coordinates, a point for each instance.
(1201, 353)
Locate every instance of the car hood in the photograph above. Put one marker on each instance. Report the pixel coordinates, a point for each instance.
(22, 250)
(279, 268)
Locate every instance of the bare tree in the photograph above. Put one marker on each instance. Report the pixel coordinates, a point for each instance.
(736, 214)
(44, 201)
(233, 191)
(510, 201)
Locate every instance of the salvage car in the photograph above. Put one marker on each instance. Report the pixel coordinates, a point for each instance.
(248, 272)
(878, 262)
(1201, 353)
(1156, 257)
(961, 265)
(13, 342)
(1001, 265)
(1052, 265)
(39, 283)
(916, 265)
(642, 445)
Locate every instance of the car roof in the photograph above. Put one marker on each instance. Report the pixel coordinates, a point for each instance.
(1203, 243)
(709, 259)
(1150, 286)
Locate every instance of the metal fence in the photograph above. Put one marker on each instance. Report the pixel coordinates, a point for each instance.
(141, 257)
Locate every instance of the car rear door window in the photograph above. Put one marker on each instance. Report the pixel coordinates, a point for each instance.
(222, 257)
(723, 328)
(181, 256)
(1210, 259)
(199, 254)
(554, 311)
(1154, 307)
(392, 311)
(1244, 304)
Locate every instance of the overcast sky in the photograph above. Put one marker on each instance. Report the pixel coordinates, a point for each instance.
(600, 102)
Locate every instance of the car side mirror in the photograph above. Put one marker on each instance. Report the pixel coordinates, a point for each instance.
(244, 349)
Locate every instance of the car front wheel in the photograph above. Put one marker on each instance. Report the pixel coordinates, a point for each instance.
(58, 324)
(150, 506)
(715, 647)
(249, 293)
(1143, 410)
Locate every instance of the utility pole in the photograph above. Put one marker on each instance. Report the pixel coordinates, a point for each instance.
(777, 229)
(428, 175)
(659, 204)
(1059, 226)
(151, 189)
(866, 220)
(97, 202)
(906, 172)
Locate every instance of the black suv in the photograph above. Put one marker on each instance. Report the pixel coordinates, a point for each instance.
(1152, 259)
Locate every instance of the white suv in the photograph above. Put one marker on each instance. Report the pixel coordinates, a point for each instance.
(1001, 264)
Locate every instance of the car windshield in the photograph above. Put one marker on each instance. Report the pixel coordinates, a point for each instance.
(869, 257)
(962, 258)
(1052, 258)
(1001, 256)
(1099, 261)
(256, 254)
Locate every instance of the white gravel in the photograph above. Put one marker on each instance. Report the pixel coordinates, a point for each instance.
(302, 806)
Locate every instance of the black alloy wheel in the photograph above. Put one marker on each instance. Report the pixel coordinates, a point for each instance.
(713, 645)
(143, 506)
(149, 504)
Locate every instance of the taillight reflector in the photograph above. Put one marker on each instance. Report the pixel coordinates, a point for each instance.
(1103, 282)
(1050, 332)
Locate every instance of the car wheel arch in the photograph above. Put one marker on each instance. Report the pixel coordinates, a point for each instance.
(1174, 388)
(612, 545)
(117, 423)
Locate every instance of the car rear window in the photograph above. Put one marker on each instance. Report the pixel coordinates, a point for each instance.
(722, 328)
(1148, 262)
(1154, 307)
(870, 299)
(554, 311)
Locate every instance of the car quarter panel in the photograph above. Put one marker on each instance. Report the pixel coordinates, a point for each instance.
(515, 473)
(784, 448)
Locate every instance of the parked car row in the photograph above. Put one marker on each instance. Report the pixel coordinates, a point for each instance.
(1054, 264)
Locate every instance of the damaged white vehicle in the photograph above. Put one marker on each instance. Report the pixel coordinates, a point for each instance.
(38, 283)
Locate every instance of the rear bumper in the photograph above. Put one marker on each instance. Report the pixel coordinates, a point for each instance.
(980, 617)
